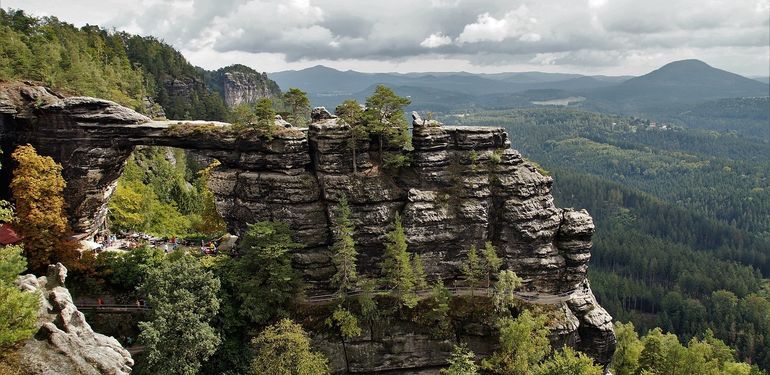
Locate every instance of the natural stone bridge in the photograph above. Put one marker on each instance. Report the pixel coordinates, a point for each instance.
(464, 186)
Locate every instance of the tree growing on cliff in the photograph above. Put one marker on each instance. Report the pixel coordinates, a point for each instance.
(299, 105)
(284, 348)
(262, 278)
(472, 268)
(353, 114)
(38, 188)
(264, 115)
(344, 250)
(523, 344)
(384, 116)
(461, 362)
(178, 337)
(397, 269)
(491, 262)
(503, 294)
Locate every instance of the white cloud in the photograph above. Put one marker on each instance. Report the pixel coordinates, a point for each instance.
(436, 40)
(516, 24)
(481, 35)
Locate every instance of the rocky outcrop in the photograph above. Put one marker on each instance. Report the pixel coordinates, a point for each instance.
(65, 343)
(240, 84)
(462, 186)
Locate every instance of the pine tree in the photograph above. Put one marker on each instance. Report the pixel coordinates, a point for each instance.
(344, 250)
(461, 362)
(265, 116)
(492, 262)
(420, 278)
(384, 116)
(350, 111)
(397, 269)
(299, 104)
(472, 269)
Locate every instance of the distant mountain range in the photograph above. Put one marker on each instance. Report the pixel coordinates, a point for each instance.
(679, 82)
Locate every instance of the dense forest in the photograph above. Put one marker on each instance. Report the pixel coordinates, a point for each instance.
(138, 72)
(682, 239)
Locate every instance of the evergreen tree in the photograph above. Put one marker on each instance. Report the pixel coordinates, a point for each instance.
(420, 278)
(503, 293)
(472, 269)
(344, 250)
(299, 105)
(284, 348)
(492, 262)
(397, 269)
(178, 337)
(264, 114)
(352, 113)
(461, 362)
(261, 277)
(384, 116)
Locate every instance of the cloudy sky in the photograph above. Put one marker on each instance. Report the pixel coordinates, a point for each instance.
(580, 36)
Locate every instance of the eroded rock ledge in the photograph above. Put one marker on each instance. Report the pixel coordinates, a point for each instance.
(463, 186)
(65, 343)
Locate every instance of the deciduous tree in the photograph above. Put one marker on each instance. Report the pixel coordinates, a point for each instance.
(38, 187)
(284, 349)
(178, 336)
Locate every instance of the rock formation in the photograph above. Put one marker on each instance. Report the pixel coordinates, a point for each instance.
(240, 84)
(462, 186)
(65, 343)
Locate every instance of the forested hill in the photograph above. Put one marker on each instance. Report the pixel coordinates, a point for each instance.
(682, 237)
(136, 71)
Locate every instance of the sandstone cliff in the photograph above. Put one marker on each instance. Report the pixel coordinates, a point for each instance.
(240, 84)
(65, 343)
(463, 186)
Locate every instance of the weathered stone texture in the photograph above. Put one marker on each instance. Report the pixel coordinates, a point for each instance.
(464, 186)
(65, 343)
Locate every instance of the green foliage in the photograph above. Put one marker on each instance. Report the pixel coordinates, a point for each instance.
(351, 112)
(523, 344)
(568, 362)
(344, 251)
(345, 321)
(395, 161)
(461, 362)
(126, 271)
(503, 293)
(159, 194)
(629, 348)
(18, 312)
(472, 268)
(397, 269)
(88, 60)
(178, 337)
(438, 315)
(662, 353)
(264, 115)
(284, 349)
(384, 117)
(418, 269)
(642, 186)
(491, 261)
(299, 106)
(261, 278)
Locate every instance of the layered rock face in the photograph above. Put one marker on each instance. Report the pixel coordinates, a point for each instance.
(462, 186)
(65, 343)
(240, 84)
